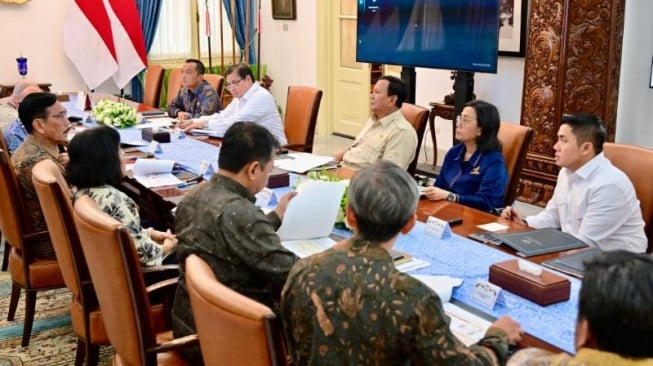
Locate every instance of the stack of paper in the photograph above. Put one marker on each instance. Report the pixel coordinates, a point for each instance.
(301, 162)
(155, 173)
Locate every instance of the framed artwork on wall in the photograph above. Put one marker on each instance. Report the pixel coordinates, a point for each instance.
(283, 9)
(513, 19)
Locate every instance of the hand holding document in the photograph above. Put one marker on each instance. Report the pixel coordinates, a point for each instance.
(155, 173)
(312, 213)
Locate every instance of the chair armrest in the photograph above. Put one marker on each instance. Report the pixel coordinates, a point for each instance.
(160, 273)
(177, 343)
(298, 147)
(36, 235)
(165, 285)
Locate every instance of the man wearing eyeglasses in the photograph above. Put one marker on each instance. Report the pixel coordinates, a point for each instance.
(251, 103)
(45, 120)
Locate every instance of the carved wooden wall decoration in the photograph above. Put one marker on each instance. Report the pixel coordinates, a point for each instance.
(572, 65)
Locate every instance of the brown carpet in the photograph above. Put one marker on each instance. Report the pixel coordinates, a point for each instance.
(52, 342)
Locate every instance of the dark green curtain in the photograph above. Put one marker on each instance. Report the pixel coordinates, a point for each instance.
(149, 11)
(240, 25)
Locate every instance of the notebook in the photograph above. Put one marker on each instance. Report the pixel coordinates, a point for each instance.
(534, 242)
(573, 264)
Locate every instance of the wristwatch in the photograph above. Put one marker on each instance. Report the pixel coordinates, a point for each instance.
(451, 197)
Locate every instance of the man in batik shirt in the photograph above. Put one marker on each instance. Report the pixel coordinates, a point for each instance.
(47, 126)
(219, 222)
(197, 97)
(350, 306)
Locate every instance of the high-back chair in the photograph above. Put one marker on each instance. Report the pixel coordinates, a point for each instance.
(153, 82)
(417, 116)
(174, 85)
(515, 140)
(216, 81)
(5, 255)
(302, 107)
(55, 198)
(637, 163)
(115, 270)
(224, 319)
(27, 272)
(88, 324)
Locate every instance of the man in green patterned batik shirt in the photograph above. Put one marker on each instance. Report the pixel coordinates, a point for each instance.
(350, 306)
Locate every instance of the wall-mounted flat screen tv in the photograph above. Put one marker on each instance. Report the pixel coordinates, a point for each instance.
(443, 34)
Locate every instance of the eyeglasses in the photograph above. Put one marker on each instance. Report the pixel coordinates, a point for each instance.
(234, 83)
(464, 120)
(60, 115)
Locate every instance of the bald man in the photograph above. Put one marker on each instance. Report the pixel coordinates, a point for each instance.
(15, 132)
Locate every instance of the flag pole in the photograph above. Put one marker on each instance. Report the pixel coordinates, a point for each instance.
(208, 32)
(221, 40)
(233, 29)
(248, 5)
(258, 41)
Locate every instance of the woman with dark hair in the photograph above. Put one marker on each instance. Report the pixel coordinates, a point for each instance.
(94, 169)
(474, 171)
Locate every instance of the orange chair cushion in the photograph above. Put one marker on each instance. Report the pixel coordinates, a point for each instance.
(44, 273)
(98, 331)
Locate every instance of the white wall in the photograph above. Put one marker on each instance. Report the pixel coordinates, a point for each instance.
(502, 89)
(289, 49)
(35, 30)
(635, 109)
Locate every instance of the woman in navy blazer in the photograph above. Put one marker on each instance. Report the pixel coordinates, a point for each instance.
(474, 172)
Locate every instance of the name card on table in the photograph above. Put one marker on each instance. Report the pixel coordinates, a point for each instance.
(437, 228)
(154, 147)
(266, 198)
(486, 293)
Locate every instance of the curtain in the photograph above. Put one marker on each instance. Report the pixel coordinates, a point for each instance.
(149, 11)
(240, 26)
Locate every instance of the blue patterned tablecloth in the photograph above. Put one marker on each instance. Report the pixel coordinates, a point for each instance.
(457, 256)
(454, 256)
(460, 257)
(186, 151)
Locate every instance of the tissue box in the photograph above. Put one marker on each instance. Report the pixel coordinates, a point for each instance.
(159, 136)
(278, 178)
(546, 289)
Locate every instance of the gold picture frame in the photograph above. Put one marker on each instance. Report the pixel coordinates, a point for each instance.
(283, 9)
(14, 1)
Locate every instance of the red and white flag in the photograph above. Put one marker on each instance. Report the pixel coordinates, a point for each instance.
(104, 39)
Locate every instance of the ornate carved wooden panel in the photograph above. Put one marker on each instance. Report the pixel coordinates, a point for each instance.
(572, 65)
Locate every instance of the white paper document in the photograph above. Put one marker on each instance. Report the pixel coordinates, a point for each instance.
(155, 173)
(305, 248)
(158, 180)
(152, 166)
(467, 327)
(156, 123)
(442, 285)
(312, 212)
(210, 133)
(301, 162)
(493, 227)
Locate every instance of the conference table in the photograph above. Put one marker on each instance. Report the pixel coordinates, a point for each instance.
(550, 327)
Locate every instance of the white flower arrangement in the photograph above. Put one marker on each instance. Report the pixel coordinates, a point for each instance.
(114, 114)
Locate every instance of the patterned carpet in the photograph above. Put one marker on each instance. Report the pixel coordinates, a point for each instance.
(52, 342)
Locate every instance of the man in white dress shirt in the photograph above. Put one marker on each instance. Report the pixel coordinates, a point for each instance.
(593, 200)
(251, 103)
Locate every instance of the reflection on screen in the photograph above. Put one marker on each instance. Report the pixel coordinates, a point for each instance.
(446, 34)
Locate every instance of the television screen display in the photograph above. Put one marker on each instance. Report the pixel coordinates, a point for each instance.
(443, 34)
